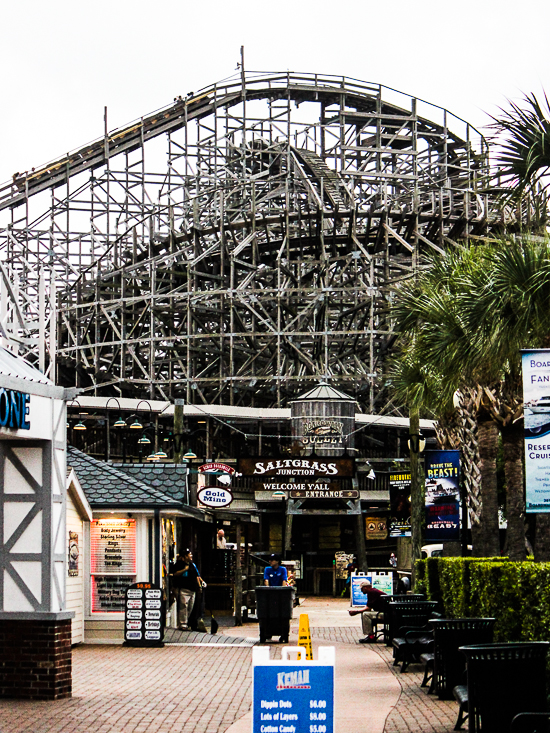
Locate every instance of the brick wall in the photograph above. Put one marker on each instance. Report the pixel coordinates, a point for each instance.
(35, 659)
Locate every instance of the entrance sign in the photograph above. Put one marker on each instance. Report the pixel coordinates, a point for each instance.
(293, 696)
(536, 408)
(323, 492)
(144, 615)
(442, 468)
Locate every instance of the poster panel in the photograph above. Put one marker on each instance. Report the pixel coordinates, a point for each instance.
(400, 505)
(442, 468)
(536, 409)
(382, 581)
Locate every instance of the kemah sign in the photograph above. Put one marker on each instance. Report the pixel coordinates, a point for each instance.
(285, 468)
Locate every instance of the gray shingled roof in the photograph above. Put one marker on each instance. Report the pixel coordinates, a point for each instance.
(105, 485)
(166, 477)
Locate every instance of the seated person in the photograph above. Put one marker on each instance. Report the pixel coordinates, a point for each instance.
(370, 611)
(275, 575)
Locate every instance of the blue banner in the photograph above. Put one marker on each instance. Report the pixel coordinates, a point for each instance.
(536, 410)
(442, 468)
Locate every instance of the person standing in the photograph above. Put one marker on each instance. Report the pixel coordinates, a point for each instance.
(186, 581)
(221, 542)
(373, 610)
(275, 575)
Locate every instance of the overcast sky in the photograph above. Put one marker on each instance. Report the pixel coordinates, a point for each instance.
(63, 61)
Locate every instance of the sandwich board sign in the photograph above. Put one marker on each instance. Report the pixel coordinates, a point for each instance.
(293, 696)
(144, 615)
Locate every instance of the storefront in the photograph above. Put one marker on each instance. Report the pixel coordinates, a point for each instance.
(32, 536)
(135, 531)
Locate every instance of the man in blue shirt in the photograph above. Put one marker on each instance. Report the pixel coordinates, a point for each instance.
(275, 575)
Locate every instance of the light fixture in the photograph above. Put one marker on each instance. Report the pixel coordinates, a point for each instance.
(161, 455)
(153, 457)
(80, 425)
(120, 423)
(278, 495)
(189, 455)
(144, 440)
(416, 442)
(371, 474)
(136, 425)
(224, 479)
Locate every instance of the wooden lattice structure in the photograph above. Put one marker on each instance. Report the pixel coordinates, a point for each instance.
(239, 245)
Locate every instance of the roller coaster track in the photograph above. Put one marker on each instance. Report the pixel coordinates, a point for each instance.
(365, 98)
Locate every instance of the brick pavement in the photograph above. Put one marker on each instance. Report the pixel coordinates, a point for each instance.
(416, 711)
(203, 688)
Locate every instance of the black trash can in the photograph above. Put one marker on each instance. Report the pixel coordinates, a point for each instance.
(504, 680)
(274, 610)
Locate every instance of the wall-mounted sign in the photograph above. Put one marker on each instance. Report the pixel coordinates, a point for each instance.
(144, 615)
(322, 432)
(108, 592)
(216, 468)
(73, 554)
(321, 491)
(536, 409)
(212, 496)
(113, 546)
(400, 505)
(14, 409)
(376, 528)
(286, 467)
(442, 469)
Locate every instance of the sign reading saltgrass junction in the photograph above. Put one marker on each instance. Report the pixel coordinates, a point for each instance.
(297, 467)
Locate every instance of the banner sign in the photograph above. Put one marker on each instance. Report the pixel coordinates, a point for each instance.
(144, 615)
(400, 505)
(293, 696)
(536, 408)
(284, 468)
(216, 468)
(442, 469)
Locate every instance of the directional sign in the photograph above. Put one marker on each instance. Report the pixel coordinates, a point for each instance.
(324, 494)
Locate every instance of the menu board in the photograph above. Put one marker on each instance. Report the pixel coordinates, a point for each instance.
(144, 615)
(108, 592)
(113, 546)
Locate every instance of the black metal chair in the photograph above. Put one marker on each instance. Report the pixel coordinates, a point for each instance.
(387, 611)
(449, 663)
(504, 680)
(531, 723)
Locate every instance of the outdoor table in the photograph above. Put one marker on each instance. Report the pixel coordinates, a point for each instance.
(504, 680)
(449, 663)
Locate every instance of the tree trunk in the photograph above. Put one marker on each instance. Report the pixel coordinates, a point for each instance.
(417, 494)
(512, 442)
(488, 445)
(542, 538)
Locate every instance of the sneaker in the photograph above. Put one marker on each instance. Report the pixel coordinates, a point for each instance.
(368, 639)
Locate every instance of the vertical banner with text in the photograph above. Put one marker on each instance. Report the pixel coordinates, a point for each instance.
(442, 495)
(400, 505)
(536, 409)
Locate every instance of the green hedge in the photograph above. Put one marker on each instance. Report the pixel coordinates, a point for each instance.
(517, 594)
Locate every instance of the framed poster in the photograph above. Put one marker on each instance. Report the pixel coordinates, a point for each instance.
(442, 470)
(536, 410)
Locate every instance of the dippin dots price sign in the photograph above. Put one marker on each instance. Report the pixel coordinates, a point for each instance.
(293, 696)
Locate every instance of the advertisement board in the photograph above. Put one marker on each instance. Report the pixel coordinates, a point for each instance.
(144, 615)
(293, 696)
(442, 471)
(400, 505)
(536, 410)
(382, 581)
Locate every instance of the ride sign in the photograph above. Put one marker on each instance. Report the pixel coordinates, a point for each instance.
(293, 696)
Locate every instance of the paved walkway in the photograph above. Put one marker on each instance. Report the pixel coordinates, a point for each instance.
(195, 687)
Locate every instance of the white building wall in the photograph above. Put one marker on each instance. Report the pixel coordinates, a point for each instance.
(75, 583)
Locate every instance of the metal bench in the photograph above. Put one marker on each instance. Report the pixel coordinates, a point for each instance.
(427, 660)
(409, 648)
